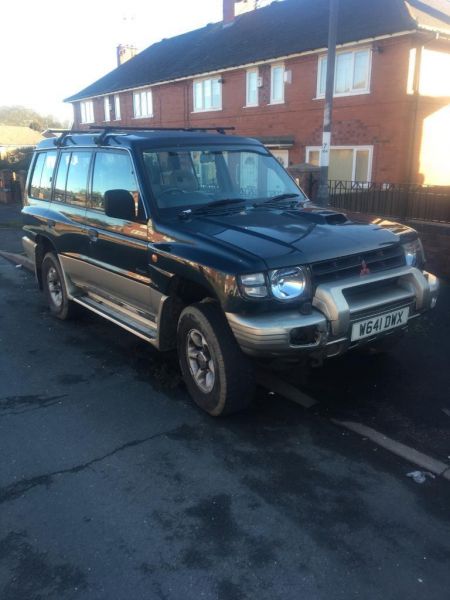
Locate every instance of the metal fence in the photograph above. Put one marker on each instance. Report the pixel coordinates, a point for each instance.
(400, 200)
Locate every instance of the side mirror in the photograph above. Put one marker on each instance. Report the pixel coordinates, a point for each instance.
(120, 205)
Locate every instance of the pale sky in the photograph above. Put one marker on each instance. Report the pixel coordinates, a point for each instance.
(54, 48)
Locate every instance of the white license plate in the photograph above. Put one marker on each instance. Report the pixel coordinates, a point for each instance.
(375, 325)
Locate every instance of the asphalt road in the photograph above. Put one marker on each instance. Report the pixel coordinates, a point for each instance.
(114, 486)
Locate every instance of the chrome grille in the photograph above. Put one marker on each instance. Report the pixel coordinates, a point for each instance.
(382, 259)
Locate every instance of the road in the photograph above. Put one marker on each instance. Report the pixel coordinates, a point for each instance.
(114, 486)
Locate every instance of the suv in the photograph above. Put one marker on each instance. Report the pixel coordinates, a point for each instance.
(202, 242)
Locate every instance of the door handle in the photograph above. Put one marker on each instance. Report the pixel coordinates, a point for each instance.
(93, 235)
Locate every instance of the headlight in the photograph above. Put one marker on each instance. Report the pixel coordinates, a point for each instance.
(288, 284)
(254, 285)
(414, 254)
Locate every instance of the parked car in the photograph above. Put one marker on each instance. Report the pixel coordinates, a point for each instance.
(202, 242)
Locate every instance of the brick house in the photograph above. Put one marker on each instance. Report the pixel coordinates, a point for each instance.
(263, 72)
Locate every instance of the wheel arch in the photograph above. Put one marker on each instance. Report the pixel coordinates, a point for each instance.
(43, 245)
(182, 292)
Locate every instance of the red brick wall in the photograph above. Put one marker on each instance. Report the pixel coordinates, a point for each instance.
(382, 118)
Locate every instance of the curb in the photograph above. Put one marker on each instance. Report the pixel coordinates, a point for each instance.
(18, 259)
(435, 466)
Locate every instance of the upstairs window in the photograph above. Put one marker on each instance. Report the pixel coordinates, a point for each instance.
(87, 111)
(252, 77)
(117, 115)
(352, 73)
(107, 108)
(142, 104)
(277, 84)
(207, 94)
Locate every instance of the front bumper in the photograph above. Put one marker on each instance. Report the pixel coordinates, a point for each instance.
(336, 305)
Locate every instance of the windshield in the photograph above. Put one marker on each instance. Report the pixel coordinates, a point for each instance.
(183, 178)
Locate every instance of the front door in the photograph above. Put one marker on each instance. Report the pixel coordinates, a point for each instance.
(118, 254)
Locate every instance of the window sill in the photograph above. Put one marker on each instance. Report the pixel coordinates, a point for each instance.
(206, 110)
(251, 106)
(142, 117)
(346, 95)
(276, 102)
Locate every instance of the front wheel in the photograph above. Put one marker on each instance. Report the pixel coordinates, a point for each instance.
(218, 376)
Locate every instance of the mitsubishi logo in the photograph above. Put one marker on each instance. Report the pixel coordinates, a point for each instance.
(364, 269)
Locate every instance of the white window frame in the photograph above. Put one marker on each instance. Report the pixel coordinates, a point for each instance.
(272, 69)
(117, 115)
(107, 109)
(202, 82)
(354, 148)
(87, 111)
(352, 92)
(138, 97)
(248, 73)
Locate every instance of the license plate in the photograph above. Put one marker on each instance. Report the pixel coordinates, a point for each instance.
(384, 322)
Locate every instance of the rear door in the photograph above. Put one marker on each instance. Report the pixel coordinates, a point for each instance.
(68, 211)
(118, 248)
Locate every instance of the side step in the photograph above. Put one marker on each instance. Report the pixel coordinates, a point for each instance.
(143, 328)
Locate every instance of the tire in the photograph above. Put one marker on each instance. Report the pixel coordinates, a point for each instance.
(225, 379)
(55, 289)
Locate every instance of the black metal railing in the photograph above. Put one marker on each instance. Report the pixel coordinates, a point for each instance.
(399, 200)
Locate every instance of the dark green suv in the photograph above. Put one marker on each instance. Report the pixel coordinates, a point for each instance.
(202, 242)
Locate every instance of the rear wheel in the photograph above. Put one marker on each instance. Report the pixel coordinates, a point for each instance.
(55, 289)
(218, 376)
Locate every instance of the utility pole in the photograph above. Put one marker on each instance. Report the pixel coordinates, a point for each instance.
(322, 193)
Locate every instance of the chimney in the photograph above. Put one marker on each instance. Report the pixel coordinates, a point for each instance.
(228, 11)
(124, 53)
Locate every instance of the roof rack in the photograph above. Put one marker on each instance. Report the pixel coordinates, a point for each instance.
(66, 133)
(105, 130)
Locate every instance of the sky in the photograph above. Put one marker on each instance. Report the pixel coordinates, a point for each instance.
(57, 47)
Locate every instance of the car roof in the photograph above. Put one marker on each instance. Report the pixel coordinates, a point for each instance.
(144, 139)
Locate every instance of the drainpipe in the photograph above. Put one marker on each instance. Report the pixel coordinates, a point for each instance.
(416, 96)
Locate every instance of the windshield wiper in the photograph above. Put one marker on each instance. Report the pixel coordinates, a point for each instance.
(210, 205)
(281, 197)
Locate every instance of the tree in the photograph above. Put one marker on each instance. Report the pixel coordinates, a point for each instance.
(27, 117)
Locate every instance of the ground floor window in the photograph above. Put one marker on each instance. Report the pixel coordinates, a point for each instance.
(281, 155)
(347, 163)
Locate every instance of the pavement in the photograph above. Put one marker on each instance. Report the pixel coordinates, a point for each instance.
(114, 486)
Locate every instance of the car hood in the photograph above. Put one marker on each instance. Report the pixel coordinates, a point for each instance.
(283, 237)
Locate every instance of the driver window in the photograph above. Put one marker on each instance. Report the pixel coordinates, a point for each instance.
(114, 171)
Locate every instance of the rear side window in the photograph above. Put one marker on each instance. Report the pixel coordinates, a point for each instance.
(41, 180)
(77, 178)
(113, 171)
